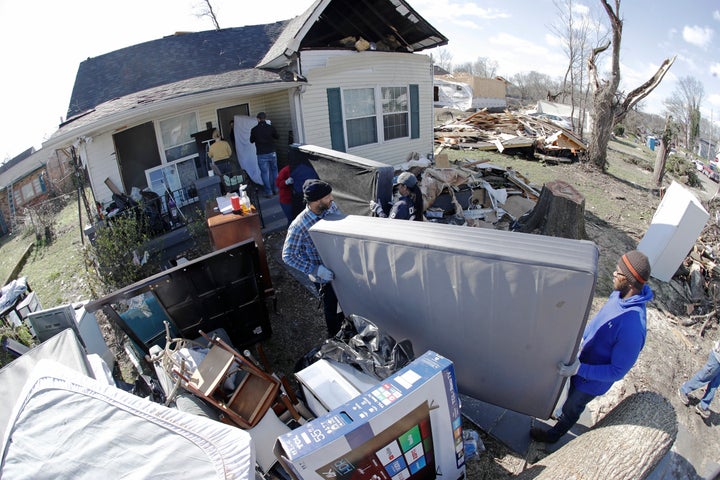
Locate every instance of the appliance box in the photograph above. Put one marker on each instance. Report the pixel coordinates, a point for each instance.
(676, 225)
(408, 427)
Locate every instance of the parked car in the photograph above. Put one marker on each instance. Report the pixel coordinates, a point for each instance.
(712, 172)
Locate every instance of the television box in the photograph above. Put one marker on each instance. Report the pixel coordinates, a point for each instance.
(408, 427)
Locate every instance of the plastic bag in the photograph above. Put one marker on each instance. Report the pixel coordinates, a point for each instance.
(361, 344)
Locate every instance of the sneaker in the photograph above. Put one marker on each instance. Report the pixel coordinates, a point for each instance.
(683, 397)
(702, 412)
(540, 435)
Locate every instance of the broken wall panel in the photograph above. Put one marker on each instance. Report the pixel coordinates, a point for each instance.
(505, 307)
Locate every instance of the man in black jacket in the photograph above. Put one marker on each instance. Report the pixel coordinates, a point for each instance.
(263, 135)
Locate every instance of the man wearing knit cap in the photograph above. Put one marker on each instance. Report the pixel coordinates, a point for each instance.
(610, 345)
(300, 252)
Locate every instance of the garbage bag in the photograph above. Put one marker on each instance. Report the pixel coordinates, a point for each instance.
(361, 344)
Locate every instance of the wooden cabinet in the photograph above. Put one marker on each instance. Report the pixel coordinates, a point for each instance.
(229, 229)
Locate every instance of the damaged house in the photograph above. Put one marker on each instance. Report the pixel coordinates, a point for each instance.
(342, 75)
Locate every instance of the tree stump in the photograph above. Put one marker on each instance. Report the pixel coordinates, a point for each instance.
(559, 212)
(628, 443)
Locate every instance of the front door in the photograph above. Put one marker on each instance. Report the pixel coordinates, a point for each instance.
(137, 151)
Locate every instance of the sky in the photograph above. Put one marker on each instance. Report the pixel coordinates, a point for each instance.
(43, 43)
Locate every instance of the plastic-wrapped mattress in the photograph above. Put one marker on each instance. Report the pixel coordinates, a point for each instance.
(67, 425)
(505, 307)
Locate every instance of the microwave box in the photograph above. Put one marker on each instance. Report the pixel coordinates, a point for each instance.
(408, 427)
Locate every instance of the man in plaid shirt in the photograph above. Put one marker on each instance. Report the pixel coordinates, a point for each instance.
(300, 252)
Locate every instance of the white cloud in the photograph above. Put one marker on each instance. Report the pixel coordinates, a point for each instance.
(716, 14)
(714, 99)
(456, 12)
(580, 10)
(715, 69)
(699, 36)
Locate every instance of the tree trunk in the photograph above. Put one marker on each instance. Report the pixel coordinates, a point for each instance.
(625, 445)
(559, 212)
(662, 154)
(603, 122)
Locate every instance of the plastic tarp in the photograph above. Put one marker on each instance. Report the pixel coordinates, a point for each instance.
(453, 94)
(505, 307)
(355, 180)
(67, 425)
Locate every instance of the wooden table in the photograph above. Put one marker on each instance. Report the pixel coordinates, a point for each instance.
(229, 229)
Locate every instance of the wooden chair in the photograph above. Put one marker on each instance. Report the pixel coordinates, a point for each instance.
(254, 393)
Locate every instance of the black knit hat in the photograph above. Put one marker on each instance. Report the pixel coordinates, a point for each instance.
(314, 189)
(636, 268)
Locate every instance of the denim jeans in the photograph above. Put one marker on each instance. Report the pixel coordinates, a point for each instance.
(709, 374)
(269, 171)
(571, 411)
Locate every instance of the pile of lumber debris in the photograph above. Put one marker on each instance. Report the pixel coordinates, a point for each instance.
(512, 131)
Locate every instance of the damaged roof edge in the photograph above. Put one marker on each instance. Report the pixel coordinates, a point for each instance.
(290, 41)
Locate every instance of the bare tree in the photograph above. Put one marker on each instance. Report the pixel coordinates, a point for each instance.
(532, 86)
(206, 10)
(684, 105)
(485, 67)
(609, 105)
(443, 59)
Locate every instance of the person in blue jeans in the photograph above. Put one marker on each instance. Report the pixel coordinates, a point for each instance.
(610, 345)
(263, 135)
(708, 375)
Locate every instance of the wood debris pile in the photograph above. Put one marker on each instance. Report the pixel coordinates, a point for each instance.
(513, 131)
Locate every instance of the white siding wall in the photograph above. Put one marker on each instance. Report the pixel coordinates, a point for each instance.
(367, 69)
(101, 151)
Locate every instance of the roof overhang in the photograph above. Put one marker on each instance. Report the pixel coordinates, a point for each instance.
(392, 23)
(132, 109)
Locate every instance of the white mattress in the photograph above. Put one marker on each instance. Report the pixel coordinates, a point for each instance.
(505, 307)
(67, 425)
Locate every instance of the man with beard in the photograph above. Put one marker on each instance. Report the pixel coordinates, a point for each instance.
(300, 252)
(610, 345)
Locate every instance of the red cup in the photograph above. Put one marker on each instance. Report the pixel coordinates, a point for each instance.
(235, 201)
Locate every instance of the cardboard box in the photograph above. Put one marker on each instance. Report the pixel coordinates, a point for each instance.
(407, 428)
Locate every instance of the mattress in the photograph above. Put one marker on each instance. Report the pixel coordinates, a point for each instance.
(67, 425)
(505, 307)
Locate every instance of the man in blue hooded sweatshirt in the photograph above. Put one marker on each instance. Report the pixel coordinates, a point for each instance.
(610, 345)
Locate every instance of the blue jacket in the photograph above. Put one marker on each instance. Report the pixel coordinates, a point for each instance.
(612, 342)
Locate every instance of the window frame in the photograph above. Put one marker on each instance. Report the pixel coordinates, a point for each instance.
(379, 115)
(185, 147)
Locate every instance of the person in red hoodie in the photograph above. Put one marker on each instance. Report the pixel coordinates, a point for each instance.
(284, 184)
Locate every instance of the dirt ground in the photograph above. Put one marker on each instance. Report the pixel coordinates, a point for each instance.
(672, 353)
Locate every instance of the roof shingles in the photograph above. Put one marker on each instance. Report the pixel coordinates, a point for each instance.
(169, 60)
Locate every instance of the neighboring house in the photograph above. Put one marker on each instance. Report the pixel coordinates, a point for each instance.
(341, 75)
(27, 180)
(706, 149)
(490, 93)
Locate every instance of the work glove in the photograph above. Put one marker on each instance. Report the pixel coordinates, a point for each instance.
(568, 370)
(322, 275)
(289, 181)
(376, 208)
